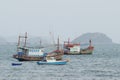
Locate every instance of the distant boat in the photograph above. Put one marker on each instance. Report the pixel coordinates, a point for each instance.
(52, 61)
(16, 64)
(75, 49)
(32, 54)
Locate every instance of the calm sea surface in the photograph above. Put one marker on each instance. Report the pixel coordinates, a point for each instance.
(103, 64)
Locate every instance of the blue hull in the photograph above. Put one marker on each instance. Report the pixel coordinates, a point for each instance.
(52, 63)
(16, 64)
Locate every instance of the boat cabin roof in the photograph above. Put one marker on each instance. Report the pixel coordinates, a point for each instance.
(71, 45)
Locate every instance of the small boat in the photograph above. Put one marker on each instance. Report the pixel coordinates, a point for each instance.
(52, 61)
(16, 64)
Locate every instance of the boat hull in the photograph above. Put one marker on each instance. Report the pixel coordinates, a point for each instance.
(30, 58)
(27, 58)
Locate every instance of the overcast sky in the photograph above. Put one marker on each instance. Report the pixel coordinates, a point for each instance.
(66, 18)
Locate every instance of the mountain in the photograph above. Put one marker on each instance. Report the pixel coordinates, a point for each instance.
(97, 38)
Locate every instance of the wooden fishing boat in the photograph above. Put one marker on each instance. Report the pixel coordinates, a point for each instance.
(26, 53)
(33, 54)
(52, 61)
(75, 49)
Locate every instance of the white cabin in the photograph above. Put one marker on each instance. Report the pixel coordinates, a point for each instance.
(75, 49)
(35, 52)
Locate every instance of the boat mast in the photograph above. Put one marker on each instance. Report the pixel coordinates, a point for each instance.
(68, 41)
(25, 39)
(18, 40)
(90, 43)
(58, 44)
(18, 43)
(52, 36)
(40, 43)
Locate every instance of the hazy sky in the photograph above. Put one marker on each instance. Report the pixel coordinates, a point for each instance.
(66, 18)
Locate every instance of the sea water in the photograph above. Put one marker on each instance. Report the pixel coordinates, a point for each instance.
(103, 64)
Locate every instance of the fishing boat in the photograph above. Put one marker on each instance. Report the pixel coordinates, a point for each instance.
(52, 61)
(25, 53)
(75, 49)
(29, 54)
